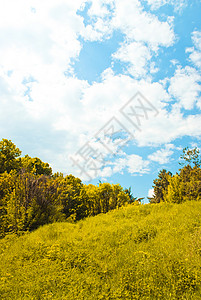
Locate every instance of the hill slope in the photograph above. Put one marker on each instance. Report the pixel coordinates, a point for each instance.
(136, 252)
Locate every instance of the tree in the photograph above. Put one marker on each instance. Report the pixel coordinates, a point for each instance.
(40, 200)
(8, 156)
(27, 201)
(129, 193)
(72, 197)
(119, 197)
(122, 199)
(139, 200)
(93, 203)
(105, 197)
(105, 193)
(183, 186)
(191, 180)
(160, 185)
(35, 165)
(6, 188)
(190, 156)
(175, 190)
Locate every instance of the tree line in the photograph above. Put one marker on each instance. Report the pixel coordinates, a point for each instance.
(31, 195)
(184, 185)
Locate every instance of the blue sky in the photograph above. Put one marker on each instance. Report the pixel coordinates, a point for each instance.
(68, 69)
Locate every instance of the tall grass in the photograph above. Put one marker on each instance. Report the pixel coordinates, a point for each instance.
(136, 252)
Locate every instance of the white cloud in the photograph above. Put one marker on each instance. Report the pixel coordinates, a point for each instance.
(185, 86)
(130, 18)
(102, 101)
(136, 55)
(195, 52)
(196, 37)
(39, 39)
(50, 32)
(36, 47)
(151, 193)
(195, 57)
(178, 4)
(167, 127)
(137, 165)
(133, 163)
(174, 62)
(195, 145)
(139, 25)
(106, 172)
(100, 20)
(101, 8)
(162, 156)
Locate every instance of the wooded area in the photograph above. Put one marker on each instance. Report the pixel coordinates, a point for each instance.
(31, 195)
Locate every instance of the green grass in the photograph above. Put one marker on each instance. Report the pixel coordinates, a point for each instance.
(136, 252)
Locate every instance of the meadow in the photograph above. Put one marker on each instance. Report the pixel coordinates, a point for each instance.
(136, 252)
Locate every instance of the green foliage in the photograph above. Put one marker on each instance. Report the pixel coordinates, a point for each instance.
(183, 186)
(105, 197)
(160, 186)
(131, 252)
(72, 197)
(190, 156)
(27, 201)
(135, 252)
(31, 196)
(8, 156)
(175, 191)
(191, 182)
(6, 187)
(129, 193)
(93, 203)
(35, 166)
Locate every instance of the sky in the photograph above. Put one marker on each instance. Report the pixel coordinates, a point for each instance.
(106, 90)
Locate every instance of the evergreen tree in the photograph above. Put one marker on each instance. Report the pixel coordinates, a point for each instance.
(160, 186)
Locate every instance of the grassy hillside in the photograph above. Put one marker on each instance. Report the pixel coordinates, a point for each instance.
(136, 252)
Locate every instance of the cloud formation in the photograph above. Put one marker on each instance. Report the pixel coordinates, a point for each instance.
(50, 112)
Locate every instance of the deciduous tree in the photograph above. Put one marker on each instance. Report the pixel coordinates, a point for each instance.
(8, 156)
